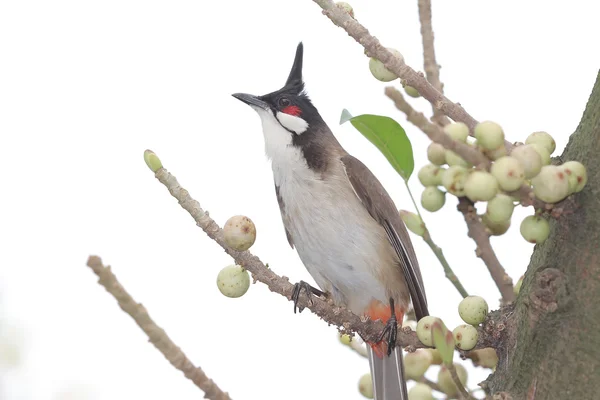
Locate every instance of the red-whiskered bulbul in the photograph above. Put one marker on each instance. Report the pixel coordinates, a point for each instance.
(342, 222)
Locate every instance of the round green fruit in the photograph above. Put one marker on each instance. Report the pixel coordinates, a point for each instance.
(431, 175)
(379, 71)
(529, 158)
(473, 309)
(365, 386)
(500, 208)
(535, 229)
(465, 336)
(239, 232)
(543, 139)
(551, 184)
(436, 154)
(577, 175)
(454, 180)
(509, 172)
(233, 281)
(489, 135)
(454, 159)
(411, 91)
(416, 364)
(432, 199)
(457, 131)
(424, 329)
(481, 186)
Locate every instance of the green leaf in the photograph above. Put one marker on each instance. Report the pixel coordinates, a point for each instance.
(443, 340)
(346, 116)
(388, 136)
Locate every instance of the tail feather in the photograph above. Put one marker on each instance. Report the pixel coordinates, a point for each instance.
(388, 375)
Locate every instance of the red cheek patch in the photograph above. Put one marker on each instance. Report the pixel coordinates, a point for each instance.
(292, 110)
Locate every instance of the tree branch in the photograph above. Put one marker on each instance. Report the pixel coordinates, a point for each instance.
(346, 321)
(374, 49)
(158, 337)
(430, 65)
(476, 230)
(396, 65)
(435, 133)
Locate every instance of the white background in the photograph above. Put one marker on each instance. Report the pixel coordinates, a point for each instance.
(86, 87)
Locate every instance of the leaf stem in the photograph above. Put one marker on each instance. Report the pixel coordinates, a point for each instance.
(438, 251)
(462, 391)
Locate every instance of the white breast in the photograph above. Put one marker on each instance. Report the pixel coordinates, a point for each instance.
(336, 239)
(340, 244)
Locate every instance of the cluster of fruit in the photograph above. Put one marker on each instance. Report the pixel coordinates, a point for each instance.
(527, 163)
(239, 233)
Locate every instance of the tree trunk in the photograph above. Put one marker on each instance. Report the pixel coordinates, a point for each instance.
(552, 342)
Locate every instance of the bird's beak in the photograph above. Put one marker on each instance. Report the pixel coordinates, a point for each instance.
(251, 100)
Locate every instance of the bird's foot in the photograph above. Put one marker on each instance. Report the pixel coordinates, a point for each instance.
(309, 290)
(390, 331)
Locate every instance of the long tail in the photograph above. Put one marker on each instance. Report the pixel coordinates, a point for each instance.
(388, 375)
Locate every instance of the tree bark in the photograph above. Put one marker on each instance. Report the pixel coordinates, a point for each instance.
(552, 343)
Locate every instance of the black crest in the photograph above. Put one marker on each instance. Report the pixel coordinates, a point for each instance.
(294, 80)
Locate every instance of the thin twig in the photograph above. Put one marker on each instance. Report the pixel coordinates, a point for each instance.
(463, 393)
(437, 250)
(447, 269)
(435, 133)
(477, 231)
(158, 337)
(373, 48)
(430, 65)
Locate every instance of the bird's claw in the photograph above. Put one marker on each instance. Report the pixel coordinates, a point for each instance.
(309, 290)
(390, 331)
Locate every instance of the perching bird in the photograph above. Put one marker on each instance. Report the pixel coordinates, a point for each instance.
(342, 222)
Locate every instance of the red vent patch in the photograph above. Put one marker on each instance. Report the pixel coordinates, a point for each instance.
(292, 110)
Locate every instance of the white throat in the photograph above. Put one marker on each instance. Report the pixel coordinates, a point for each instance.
(287, 160)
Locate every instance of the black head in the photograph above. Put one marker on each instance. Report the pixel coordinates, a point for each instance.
(291, 99)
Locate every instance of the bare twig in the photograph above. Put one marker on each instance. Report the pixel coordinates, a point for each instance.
(435, 133)
(477, 232)
(396, 65)
(158, 337)
(463, 393)
(430, 65)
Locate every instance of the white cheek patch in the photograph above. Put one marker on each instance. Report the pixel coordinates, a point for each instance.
(293, 123)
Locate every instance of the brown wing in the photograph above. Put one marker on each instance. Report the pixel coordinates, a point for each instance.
(381, 207)
(282, 209)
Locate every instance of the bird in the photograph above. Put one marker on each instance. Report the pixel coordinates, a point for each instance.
(342, 222)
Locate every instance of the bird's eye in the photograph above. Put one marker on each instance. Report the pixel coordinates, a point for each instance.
(283, 102)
